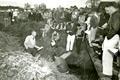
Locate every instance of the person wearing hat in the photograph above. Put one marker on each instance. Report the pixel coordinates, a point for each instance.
(111, 41)
(79, 37)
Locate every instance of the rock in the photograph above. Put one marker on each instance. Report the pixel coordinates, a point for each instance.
(2, 66)
(61, 65)
(12, 72)
(65, 55)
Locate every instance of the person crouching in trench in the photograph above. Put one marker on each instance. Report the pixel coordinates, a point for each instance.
(30, 44)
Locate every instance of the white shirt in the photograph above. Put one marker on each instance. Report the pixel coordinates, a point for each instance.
(30, 42)
(15, 13)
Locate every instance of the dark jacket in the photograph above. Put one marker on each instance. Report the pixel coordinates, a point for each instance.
(72, 29)
(103, 19)
(113, 25)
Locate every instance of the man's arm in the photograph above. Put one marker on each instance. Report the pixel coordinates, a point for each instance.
(38, 48)
(25, 42)
(57, 37)
(104, 26)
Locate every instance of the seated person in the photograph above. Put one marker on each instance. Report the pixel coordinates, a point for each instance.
(30, 44)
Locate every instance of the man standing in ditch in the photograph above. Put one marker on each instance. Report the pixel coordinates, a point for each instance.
(30, 44)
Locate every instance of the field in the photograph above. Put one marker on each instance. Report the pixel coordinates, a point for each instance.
(12, 50)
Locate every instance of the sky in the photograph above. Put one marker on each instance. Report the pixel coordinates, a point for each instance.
(49, 3)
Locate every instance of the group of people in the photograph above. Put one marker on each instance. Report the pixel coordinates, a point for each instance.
(105, 31)
(73, 30)
(13, 13)
(101, 28)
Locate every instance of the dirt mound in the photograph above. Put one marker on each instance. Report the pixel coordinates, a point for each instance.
(22, 66)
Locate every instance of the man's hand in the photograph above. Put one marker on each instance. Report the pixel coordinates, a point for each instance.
(68, 31)
(40, 48)
(113, 51)
(100, 27)
(104, 26)
(26, 47)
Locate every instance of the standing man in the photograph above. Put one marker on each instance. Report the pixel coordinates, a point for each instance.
(81, 27)
(30, 44)
(110, 44)
(15, 15)
(79, 36)
(71, 31)
(94, 22)
(88, 28)
(11, 15)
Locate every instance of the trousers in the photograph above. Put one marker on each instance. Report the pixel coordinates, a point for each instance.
(93, 34)
(32, 51)
(70, 42)
(109, 48)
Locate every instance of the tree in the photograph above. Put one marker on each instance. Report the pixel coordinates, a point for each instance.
(27, 6)
(36, 6)
(42, 6)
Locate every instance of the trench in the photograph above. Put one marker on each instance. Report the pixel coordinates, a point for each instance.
(81, 64)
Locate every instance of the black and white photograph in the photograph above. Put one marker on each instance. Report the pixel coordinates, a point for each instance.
(59, 39)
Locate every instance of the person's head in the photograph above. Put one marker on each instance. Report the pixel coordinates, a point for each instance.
(78, 26)
(111, 7)
(33, 33)
(55, 31)
(95, 11)
(90, 14)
